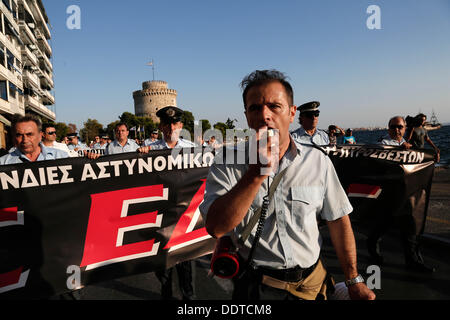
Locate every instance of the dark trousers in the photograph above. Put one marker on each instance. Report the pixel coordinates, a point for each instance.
(408, 234)
(184, 271)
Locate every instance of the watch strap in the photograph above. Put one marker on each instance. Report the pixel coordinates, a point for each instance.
(355, 280)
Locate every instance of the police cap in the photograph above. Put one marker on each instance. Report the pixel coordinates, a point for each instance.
(309, 107)
(170, 114)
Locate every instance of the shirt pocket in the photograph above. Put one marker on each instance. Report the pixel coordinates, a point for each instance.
(306, 202)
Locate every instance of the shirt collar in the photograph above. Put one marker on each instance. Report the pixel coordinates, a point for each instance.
(44, 151)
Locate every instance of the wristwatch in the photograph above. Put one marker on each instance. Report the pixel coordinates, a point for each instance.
(353, 281)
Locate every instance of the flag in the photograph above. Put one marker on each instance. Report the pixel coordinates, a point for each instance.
(150, 63)
(133, 129)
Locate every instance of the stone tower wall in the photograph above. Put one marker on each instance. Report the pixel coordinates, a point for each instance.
(154, 96)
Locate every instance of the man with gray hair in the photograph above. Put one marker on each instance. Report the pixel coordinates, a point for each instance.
(403, 218)
(27, 137)
(396, 131)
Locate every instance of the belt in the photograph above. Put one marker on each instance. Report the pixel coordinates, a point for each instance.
(289, 275)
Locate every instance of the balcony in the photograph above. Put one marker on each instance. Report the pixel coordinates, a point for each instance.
(47, 62)
(47, 79)
(43, 43)
(31, 78)
(40, 17)
(26, 33)
(34, 104)
(48, 98)
(29, 56)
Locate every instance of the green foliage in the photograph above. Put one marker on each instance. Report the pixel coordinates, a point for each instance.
(62, 130)
(188, 122)
(205, 125)
(91, 129)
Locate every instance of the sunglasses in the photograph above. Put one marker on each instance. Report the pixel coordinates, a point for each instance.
(51, 132)
(311, 114)
(393, 127)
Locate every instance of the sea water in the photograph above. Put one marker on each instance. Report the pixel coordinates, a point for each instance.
(440, 137)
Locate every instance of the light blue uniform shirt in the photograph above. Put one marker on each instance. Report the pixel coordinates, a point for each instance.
(388, 141)
(161, 144)
(98, 146)
(319, 137)
(115, 147)
(79, 145)
(148, 142)
(291, 236)
(46, 154)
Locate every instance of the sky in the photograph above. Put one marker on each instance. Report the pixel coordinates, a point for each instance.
(203, 49)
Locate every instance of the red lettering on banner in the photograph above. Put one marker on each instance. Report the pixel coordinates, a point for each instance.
(14, 279)
(11, 217)
(183, 235)
(108, 221)
(364, 191)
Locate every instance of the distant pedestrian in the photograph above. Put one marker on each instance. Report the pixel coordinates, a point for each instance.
(402, 218)
(121, 143)
(349, 138)
(333, 133)
(417, 135)
(153, 138)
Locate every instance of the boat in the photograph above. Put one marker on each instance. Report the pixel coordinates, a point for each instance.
(433, 124)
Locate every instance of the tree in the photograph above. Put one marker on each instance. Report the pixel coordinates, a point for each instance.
(91, 129)
(61, 130)
(230, 123)
(72, 128)
(110, 129)
(145, 123)
(205, 125)
(188, 122)
(222, 127)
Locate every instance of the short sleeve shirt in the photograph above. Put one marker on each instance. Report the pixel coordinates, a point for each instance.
(310, 189)
(418, 137)
(319, 138)
(17, 156)
(115, 147)
(161, 144)
(388, 141)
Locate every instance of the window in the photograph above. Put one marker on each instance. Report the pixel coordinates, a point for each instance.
(6, 3)
(12, 90)
(10, 60)
(3, 90)
(2, 55)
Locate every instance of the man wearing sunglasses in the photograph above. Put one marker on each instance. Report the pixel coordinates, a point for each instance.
(397, 128)
(308, 132)
(49, 139)
(405, 222)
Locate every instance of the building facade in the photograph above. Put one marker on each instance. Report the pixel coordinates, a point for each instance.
(26, 70)
(154, 96)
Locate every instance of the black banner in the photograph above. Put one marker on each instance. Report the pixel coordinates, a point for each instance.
(99, 219)
(68, 223)
(384, 181)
